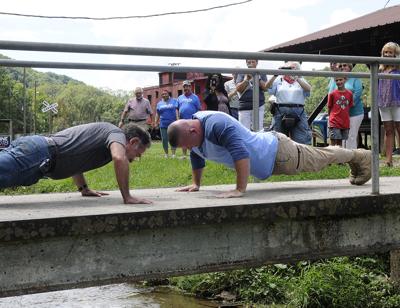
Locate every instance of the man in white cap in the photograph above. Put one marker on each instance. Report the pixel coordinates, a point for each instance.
(138, 110)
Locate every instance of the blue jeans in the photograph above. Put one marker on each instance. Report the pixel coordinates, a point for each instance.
(164, 139)
(19, 163)
(301, 133)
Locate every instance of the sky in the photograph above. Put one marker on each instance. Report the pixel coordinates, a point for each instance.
(251, 26)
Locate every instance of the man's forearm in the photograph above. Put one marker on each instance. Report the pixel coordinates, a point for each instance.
(121, 122)
(242, 168)
(80, 182)
(121, 168)
(241, 86)
(196, 176)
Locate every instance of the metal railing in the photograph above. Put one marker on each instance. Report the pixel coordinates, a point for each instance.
(373, 62)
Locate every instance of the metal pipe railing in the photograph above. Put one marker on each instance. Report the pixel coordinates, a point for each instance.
(187, 53)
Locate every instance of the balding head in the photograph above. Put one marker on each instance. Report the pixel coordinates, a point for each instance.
(185, 134)
(174, 132)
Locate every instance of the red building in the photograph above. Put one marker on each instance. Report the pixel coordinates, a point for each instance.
(173, 83)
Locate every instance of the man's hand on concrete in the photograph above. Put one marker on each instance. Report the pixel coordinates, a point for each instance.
(137, 200)
(92, 193)
(230, 194)
(189, 188)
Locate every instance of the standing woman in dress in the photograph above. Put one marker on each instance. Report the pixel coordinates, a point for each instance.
(389, 99)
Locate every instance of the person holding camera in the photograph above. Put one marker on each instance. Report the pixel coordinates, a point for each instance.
(289, 116)
(215, 95)
(244, 87)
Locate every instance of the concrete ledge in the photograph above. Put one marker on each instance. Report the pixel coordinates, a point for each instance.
(57, 241)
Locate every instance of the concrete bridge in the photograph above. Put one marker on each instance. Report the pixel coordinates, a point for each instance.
(58, 241)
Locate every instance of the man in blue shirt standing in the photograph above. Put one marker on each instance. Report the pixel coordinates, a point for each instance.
(188, 104)
(219, 137)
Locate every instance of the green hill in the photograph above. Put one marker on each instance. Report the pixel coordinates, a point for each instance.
(77, 102)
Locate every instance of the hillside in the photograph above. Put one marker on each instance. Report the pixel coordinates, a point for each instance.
(77, 102)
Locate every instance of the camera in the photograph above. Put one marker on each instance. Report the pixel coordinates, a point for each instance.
(213, 82)
(286, 68)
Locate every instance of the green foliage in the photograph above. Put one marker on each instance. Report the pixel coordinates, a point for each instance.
(334, 283)
(338, 282)
(78, 103)
(266, 285)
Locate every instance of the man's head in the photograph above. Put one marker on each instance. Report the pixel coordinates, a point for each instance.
(139, 92)
(185, 134)
(187, 87)
(251, 63)
(137, 140)
(293, 65)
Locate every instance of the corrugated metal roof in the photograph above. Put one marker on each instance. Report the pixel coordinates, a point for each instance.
(381, 17)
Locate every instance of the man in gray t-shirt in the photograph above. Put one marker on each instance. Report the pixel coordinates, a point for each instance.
(73, 151)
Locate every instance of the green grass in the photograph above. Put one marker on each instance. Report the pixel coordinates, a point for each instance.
(153, 170)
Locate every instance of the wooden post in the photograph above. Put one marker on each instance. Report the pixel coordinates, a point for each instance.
(395, 266)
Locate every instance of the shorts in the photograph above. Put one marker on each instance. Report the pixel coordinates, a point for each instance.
(338, 133)
(390, 114)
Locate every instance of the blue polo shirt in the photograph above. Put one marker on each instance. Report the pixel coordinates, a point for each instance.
(167, 111)
(226, 141)
(188, 105)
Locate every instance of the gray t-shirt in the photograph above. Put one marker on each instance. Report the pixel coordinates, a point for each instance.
(84, 147)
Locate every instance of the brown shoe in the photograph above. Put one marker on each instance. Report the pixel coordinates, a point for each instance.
(360, 167)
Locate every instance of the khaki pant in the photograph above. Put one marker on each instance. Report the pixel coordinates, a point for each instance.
(293, 157)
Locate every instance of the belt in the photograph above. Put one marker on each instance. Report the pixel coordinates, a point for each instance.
(291, 105)
(53, 151)
(131, 120)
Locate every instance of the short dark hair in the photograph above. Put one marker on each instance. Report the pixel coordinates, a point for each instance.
(173, 135)
(131, 130)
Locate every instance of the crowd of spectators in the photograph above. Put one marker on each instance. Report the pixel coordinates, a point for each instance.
(290, 91)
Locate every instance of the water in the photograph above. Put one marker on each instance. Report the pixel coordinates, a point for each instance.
(116, 295)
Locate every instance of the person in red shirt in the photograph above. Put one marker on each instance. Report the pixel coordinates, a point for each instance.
(339, 103)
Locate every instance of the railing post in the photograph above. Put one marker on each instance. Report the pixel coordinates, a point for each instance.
(256, 100)
(374, 128)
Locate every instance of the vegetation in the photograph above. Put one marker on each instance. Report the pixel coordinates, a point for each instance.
(338, 282)
(77, 102)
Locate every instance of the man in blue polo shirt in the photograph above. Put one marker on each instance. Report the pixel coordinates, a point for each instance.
(188, 104)
(218, 137)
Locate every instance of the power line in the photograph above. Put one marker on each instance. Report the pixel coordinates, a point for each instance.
(125, 17)
(386, 3)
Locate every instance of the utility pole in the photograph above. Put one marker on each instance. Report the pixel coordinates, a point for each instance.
(24, 101)
(34, 110)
